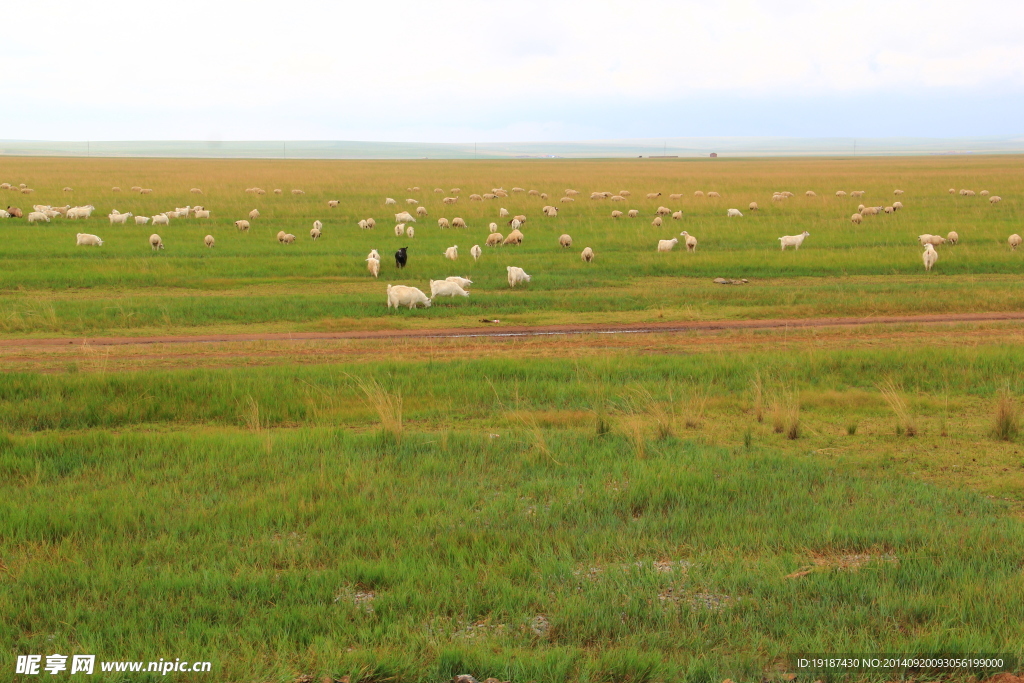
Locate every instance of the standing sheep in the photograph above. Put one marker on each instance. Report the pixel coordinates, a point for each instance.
(677, 216)
(667, 245)
(934, 240)
(242, 226)
(587, 255)
(656, 222)
(734, 213)
(565, 241)
(400, 295)
(458, 222)
(713, 195)
(446, 288)
(388, 201)
(452, 253)
(840, 194)
(633, 213)
(753, 206)
(332, 203)
(930, 256)
(410, 232)
(443, 223)
(83, 239)
(690, 241)
(39, 216)
(421, 211)
(516, 276)
(953, 238)
(810, 193)
(617, 214)
(399, 229)
(793, 240)
(155, 242)
(161, 219)
(897, 206)
(209, 241)
(314, 233)
(503, 213)
(897, 192)
(493, 227)
(373, 265)
(1014, 241)
(494, 239)
(856, 218)
(653, 195)
(515, 238)
(476, 252)
(995, 199)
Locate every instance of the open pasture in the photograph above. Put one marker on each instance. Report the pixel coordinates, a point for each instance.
(249, 281)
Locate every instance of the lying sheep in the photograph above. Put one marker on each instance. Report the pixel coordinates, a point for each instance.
(689, 240)
(515, 238)
(421, 211)
(587, 255)
(400, 295)
(146, 191)
(115, 189)
(155, 242)
(68, 189)
(141, 220)
(617, 198)
(404, 217)
(930, 256)
(458, 222)
(196, 190)
(254, 214)
(934, 240)
(633, 213)
(566, 200)
(810, 193)
(952, 190)
(121, 218)
(624, 193)
(209, 241)
(136, 188)
(856, 218)
(297, 192)
(793, 240)
(278, 190)
(897, 192)
(242, 225)
(161, 219)
(953, 238)
(565, 241)
(452, 253)
(494, 239)
(40, 217)
(698, 193)
(667, 245)
(516, 276)
(445, 288)
(476, 252)
(734, 213)
(315, 233)
(86, 240)
(1014, 241)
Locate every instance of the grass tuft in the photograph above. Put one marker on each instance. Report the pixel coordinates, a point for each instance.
(1007, 425)
(893, 395)
(388, 406)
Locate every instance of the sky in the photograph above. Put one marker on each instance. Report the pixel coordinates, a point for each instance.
(460, 71)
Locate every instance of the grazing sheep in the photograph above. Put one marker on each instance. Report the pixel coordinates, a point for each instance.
(897, 192)
(713, 195)
(458, 222)
(587, 255)
(278, 191)
(633, 213)
(617, 214)
(388, 201)
(68, 189)
(318, 225)
(677, 216)
(840, 194)
(930, 256)
(242, 225)
(543, 195)
(503, 213)
(443, 223)
(196, 190)
(698, 193)
(494, 239)
(934, 240)
(1014, 241)
(793, 240)
(400, 295)
(689, 240)
(778, 197)
(521, 218)
(810, 193)
(421, 211)
(146, 191)
(667, 245)
(115, 189)
(121, 218)
(475, 252)
(185, 211)
(452, 253)
(565, 241)
(315, 233)
(952, 190)
(373, 254)
(401, 257)
(209, 241)
(450, 200)
(653, 195)
(39, 216)
(514, 238)
(161, 219)
(995, 199)
(566, 200)
(371, 224)
(490, 195)
(411, 201)
(752, 206)
(493, 227)
(889, 209)
(675, 197)
(953, 238)
(516, 276)
(617, 198)
(869, 211)
(663, 211)
(205, 213)
(533, 193)
(463, 282)
(141, 220)
(404, 217)
(551, 212)
(136, 188)
(285, 237)
(571, 193)
(445, 288)
(438, 190)
(517, 189)
(83, 239)
(410, 232)
(515, 223)
(332, 203)
(857, 193)
(475, 198)
(297, 192)
(856, 218)
(656, 222)
(155, 242)
(734, 213)
(373, 265)
(984, 193)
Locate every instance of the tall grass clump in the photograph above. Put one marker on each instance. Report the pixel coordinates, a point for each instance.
(254, 423)
(893, 395)
(387, 405)
(1007, 425)
(696, 405)
(757, 389)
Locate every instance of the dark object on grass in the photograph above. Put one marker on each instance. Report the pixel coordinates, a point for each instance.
(401, 258)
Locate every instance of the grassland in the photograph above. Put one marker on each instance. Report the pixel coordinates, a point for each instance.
(660, 507)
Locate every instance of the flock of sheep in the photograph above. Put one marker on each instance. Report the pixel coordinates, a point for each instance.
(400, 295)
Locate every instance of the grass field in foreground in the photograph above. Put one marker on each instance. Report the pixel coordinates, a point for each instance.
(50, 287)
(260, 518)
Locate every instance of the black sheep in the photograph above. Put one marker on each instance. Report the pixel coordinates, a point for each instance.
(401, 258)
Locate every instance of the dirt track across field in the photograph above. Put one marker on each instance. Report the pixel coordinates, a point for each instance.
(499, 330)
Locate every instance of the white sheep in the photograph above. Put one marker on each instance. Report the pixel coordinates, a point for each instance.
(121, 218)
(503, 213)
(318, 225)
(930, 256)
(897, 205)
(1014, 241)
(287, 239)
(399, 229)
(452, 253)
(515, 223)
(897, 192)
(174, 214)
(793, 240)
(667, 245)
(663, 211)
(857, 193)
(656, 222)
(953, 238)
(315, 233)
(297, 192)
(677, 216)
(146, 191)
(952, 190)
(753, 206)
(209, 241)
(450, 200)
(856, 218)
(565, 241)
(493, 227)
(443, 223)
(410, 232)
(984, 193)
(278, 190)
(689, 240)
(161, 219)
(698, 193)
(86, 240)
(39, 216)
(400, 295)
(421, 211)
(332, 203)
(515, 238)
(734, 213)
(476, 252)
(373, 265)
(463, 282)
(516, 276)
(458, 222)
(196, 190)
(840, 194)
(141, 220)
(371, 224)
(617, 214)
(566, 200)
(242, 225)
(633, 213)
(475, 198)
(404, 217)
(411, 202)
(204, 213)
(995, 199)
(810, 193)
(494, 239)
(374, 254)
(713, 195)
(934, 240)
(653, 195)
(4, 214)
(446, 288)
(551, 212)
(155, 242)
(675, 197)
(587, 255)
